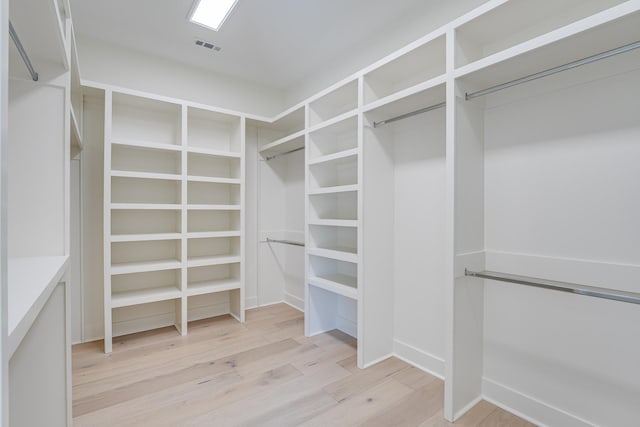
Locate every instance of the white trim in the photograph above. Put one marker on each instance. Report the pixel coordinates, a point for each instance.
(520, 404)
(349, 327)
(294, 301)
(378, 360)
(419, 358)
(467, 407)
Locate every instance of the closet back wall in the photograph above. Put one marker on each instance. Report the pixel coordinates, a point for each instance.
(118, 66)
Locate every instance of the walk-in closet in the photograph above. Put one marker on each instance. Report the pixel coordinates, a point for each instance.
(417, 213)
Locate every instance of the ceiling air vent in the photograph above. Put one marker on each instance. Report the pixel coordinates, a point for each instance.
(207, 45)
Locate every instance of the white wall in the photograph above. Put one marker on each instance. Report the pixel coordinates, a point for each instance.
(561, 202)
(108, 63)
(426, 17)
(419, 236)
(281, 216)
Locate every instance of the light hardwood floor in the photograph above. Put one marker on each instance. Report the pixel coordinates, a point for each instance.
(261, 373)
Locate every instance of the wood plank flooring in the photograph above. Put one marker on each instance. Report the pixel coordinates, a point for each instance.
(261, 373)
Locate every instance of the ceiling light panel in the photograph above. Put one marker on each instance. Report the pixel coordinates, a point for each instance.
(211, 13)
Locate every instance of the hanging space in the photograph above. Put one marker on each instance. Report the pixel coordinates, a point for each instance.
(546, 183)
(278, 148)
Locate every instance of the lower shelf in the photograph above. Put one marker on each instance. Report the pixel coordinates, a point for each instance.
(202, 261)
(144, 296)
(212, 286)
(141, 267)
(341, 284)
(340, 254)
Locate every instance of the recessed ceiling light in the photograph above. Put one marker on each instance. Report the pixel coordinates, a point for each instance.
(211, 13)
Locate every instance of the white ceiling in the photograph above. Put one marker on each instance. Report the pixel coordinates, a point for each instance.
(273, 42)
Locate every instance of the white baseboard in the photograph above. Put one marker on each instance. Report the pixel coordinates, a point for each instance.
(294, 301)
(251, 302)
(468, 407)
(527, 407)
(378, 360)
(347, 326)
(419, 358)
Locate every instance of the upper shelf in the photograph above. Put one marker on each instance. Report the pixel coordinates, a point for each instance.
(604, 31)
(40, 25)
(337, 102)
(517, 21)
(409, 69)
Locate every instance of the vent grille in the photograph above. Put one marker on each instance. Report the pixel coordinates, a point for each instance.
(207, 45)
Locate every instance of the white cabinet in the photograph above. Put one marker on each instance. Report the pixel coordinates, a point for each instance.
(174, 199)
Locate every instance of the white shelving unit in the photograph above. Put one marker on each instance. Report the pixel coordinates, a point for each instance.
(334, 218)
(174, 196)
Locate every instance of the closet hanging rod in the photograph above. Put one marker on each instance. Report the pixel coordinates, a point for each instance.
(22, 52)
(282, 154)
(591, 291)
(554, 70)
(411, 114)
(286, 242)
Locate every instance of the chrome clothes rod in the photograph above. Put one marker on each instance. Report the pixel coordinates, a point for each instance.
(282, 154)
(590, 291)
(554, 70)
(411, 114)
(23, 53)
(286, 242)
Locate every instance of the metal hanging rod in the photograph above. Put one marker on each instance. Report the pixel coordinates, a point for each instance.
(554, 70)
(411, 114)
(23, 53)
(286, 242)
(591, 291)
(282, 154)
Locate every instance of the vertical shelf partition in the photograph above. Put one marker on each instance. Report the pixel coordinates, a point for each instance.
(174, 197)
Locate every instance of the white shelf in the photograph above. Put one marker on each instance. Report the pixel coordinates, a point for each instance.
(146, 144)
(117, 238)
(336, 189)
(335, 222)
(283, 145)
(334, 120)
(213, 180)
(213, 234)
(337, 283)
(202, 261)
(598, 33)
(195, 207)
(334, 157)
(211, 152)
(30, 283)
(145, 175)
(145, 206)
(212, 286)
(335, 103)
(144, 296)
(339, 254)
(146, 266)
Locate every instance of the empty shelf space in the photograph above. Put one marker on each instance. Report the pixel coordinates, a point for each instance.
(144, 296)
(341, 284)
(215, 153)
(145, 161)
(145, 175)
(145, 237)
(213, 130)
(208, 193)
(207, 207)
(213, 234)
(214, 167)
(334, 103)
(194, 178)
(145, 144)
(339, 254)
(392, 107)
(145, 266)
(148, 191)
(145, 206)
(335, 222)
(284, 145)
(211, 286)
(146, 119)
(408, 69)
(340, 136)
(201, 261)
(353, 152)
(335, 189)
(517, 21)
